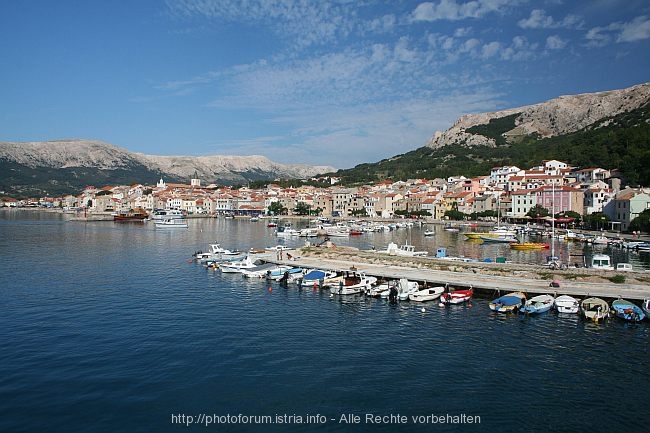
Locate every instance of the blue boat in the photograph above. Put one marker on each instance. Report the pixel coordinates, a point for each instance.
(508, 303)
(627, 310)
(538, 304)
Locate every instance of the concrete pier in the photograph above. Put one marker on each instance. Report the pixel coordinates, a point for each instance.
(474, 276)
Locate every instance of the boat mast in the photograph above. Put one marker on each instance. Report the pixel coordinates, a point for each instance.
(553, 220)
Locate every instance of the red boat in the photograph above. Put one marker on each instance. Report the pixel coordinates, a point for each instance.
(456, 296)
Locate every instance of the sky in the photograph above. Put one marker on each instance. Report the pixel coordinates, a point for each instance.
(317, 82)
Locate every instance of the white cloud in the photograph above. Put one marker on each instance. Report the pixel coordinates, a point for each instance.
(636, 30)
(453, 11)
(304, 23)
(490, 50)
(539, 20)
(555, 42)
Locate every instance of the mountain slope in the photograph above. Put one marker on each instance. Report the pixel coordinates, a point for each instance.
(559, 116)
(66, 166)
(620, 141)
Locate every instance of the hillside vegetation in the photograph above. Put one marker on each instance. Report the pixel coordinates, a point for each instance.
(619, 142)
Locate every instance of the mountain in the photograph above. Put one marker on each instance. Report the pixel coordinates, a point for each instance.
(67, 166)
(559, 116)
(606, 129)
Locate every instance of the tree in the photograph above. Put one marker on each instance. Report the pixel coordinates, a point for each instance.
(276, 208)
(642, 222)
(538, 211)
(455, 215)
(302, 208)
(595, 221)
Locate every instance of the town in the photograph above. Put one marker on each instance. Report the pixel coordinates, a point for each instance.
(594, 195)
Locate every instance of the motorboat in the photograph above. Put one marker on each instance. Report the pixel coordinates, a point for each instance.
(567, 304)
(508, 303)
(215, 252)
(505, 239)
(537, 304)
(172, 223)
(403, 250)
(165, 214)
(352, 282)
(237, 266)
(595, 309)
(287, 231)
(428, 294)
(453, 297)
(627, 310)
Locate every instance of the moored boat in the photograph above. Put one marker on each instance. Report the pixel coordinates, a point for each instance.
(352, 282)
(138, 215)
(172, 223)
(238, 266)
(316, 277)
(506, 239)
(508, 303)
(427, 294)
(567, 304)
(529, 246)
(627, 310)
(453, 297)
(595, 309)
(537, 304)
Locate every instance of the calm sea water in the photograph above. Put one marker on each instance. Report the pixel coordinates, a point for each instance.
(110, 328)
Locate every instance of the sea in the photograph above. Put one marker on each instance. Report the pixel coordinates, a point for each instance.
(111, 327)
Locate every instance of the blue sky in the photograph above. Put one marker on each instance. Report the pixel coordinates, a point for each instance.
(318, 82)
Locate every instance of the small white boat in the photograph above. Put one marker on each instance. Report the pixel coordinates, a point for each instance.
(428, 294)
(383, 290)
(262, 271)
(567, 304)
(278, 248)
(238, 266)
(171, 223)
(352, 283)
(403, 250)
(429, 233)
(215, 252)
(537, 304)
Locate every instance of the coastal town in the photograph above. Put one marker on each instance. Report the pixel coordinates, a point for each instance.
(509, 192)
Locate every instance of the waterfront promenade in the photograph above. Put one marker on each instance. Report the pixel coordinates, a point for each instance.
(490, 278)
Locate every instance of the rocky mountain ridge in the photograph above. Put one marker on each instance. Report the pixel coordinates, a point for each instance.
(558, 116)
(95, 154)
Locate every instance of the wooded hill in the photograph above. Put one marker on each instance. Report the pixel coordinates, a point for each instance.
(619, 142)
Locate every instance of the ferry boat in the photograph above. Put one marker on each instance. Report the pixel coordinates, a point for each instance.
(138, 215)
